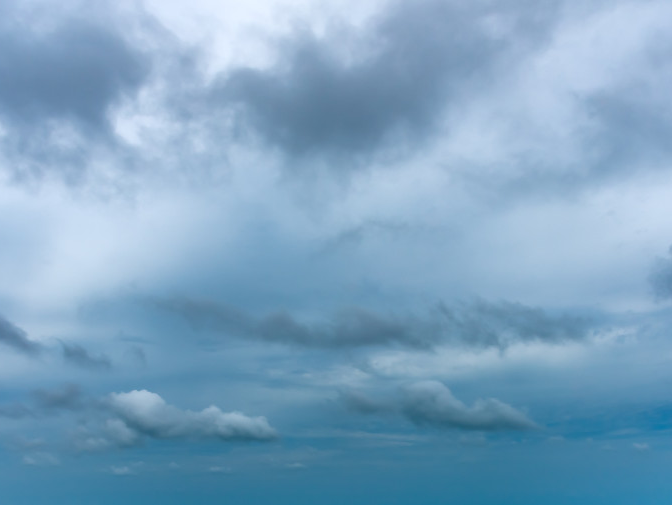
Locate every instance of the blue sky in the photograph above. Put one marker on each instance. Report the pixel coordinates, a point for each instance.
(335, 252)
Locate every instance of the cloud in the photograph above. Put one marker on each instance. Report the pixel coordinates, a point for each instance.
(475, 324)
(78, 356)
(149, 415)
(359, 402)
(121, 470)
(63, 73)
(126, 419)
(40, 459)
(48, 402)
(395, 81)
(485, 324)
(15, 337)
(15, 411)
(74, 71)
(219, 469)
(431, 404)
(661, 277)
(67, 397)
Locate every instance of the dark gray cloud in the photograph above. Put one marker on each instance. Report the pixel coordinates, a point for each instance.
(405, 67)
(474, 324)
(62, 73)
(74, 72)
(77, 355)
(661, 277)
(431, 403)
(15, 337)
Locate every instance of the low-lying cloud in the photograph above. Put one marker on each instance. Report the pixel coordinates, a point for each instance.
(147, 414)
(432, 404)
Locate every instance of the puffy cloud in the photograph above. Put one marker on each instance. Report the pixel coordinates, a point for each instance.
(431, 403)
(125, 419)
(148, 414)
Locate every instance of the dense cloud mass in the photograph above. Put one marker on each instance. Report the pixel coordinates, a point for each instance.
(61, 77)
(403, 70)
(76, 71)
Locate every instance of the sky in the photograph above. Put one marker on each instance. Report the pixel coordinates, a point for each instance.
(366, 252)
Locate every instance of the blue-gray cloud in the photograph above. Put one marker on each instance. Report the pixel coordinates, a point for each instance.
(77, 355)
(67, 397)
(473, 324)
(13, 336)
(48, 402)
(408, 64)
(74, 72)
(431, 404)
(661, 277)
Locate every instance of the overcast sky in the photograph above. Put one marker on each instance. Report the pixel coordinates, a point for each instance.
(365, 252)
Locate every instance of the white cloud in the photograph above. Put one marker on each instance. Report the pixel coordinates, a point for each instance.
(146, 413)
